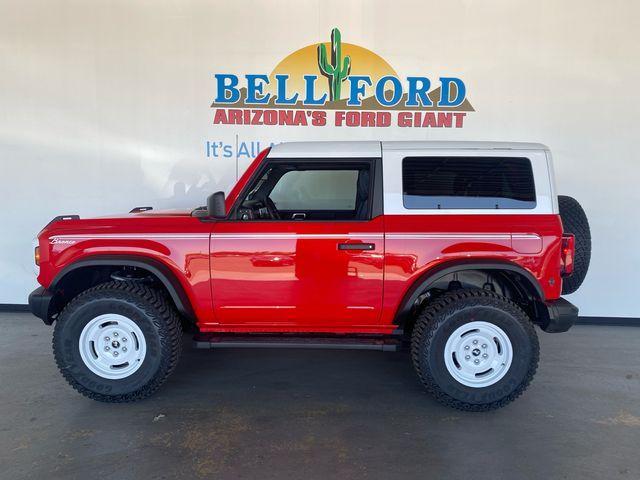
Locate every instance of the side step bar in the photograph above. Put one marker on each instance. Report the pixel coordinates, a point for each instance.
(217, 340)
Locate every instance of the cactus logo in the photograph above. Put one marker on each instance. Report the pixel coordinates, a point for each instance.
(338, 70)
(339, 84)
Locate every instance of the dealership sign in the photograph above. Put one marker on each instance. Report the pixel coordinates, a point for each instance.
(338, 84)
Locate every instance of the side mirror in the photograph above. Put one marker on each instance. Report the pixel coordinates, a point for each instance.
(216, 206)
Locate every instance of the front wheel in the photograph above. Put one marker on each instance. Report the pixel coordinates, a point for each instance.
(117, 342)
(474, 349)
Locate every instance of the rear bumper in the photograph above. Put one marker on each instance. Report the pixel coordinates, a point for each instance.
(39, 303)
(557, 316)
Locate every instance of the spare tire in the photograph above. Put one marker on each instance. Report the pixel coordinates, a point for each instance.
(574, 220)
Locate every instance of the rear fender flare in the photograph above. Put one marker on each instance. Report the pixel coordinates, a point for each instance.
(431, 276)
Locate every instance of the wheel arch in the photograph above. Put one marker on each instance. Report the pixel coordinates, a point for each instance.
(86, 268)
(520, 279)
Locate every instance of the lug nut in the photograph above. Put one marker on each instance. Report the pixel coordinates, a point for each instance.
(484, 355)
(115, 354)
(124, 339)
(476, 361)
(467, 357)
(475, 342)
(115, 334)
(484, 345)
(466, 347)
(124, 349)
(106, 349)
(106, 339)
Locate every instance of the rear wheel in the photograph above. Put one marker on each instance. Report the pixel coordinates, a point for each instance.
(117, 342)
(474, 349)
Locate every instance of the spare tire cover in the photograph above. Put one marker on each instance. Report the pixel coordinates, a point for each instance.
(574, 220)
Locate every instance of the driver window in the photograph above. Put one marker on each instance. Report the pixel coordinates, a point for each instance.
(309, 192)
(316, 190)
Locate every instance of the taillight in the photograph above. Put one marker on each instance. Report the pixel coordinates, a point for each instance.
(36, 255)
(567, 253)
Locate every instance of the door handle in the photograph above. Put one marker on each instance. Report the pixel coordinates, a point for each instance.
(356, 246)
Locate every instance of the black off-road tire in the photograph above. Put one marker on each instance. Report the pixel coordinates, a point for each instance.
(151, 311)
(575, 221)
(439, 320)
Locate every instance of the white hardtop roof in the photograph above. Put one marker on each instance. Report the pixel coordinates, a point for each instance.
(453, 145)
(326, 149)
(372, 149)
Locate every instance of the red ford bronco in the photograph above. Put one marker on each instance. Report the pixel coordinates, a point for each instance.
(456, 249)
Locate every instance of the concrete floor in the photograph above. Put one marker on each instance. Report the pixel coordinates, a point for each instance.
(322, 414)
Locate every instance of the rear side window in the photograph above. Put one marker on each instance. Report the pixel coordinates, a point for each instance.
(467, 183)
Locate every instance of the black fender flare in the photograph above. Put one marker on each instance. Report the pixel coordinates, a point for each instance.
(161, 271)
(432, 275)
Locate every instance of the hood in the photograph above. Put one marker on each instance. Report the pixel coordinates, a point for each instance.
(149, 212)
(165, 234)
(138, 220)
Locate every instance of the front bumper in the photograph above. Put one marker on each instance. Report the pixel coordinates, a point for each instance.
(557, 316)
(39, 303)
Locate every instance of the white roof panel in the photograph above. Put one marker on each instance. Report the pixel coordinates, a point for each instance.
(373, 149)
(326, 150)
(440, 145)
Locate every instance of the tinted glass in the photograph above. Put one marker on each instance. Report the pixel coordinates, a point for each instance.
(316, 190)
(468, 182)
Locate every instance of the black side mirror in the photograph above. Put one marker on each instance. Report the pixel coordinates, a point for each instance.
(216, 206)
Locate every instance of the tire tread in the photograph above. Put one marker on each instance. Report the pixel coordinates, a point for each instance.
(157, 307)
(430, 319)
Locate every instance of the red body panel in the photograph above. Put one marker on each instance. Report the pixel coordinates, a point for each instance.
(180, 242)
(292, 276)
(416, 244)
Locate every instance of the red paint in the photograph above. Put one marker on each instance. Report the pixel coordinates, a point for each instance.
(290, 276)
(187, 258)
(408, 259)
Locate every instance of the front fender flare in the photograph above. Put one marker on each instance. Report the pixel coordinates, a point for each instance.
(155, 267)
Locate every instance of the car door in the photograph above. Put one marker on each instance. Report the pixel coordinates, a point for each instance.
(302, 250)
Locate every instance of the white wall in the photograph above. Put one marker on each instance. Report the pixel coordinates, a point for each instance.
(105, 105)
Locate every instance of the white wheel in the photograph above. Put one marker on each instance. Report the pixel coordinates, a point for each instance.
(478, 354)
(112, 346)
